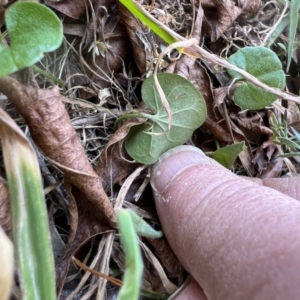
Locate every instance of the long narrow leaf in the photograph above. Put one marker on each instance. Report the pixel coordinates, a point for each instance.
(33, 250)
(155, 26)
(133, 258)
(295, 4)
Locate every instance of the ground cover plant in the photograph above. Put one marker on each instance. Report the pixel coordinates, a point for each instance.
(125, 85)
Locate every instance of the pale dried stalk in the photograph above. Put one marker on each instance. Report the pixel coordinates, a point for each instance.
(196, 51)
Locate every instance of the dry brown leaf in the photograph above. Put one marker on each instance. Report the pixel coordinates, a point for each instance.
(70, 8)
(84, 224)
(52, 131)
(112, 166)
(253, 129)
(105, 55)
(221, 15)
(263, 157)
(168, 259)
(5, 213)
(273, 169)
(168, 285)
(246, 155)
(217, 130)
(143, 40)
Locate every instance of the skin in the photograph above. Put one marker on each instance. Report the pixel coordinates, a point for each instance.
(237, 238)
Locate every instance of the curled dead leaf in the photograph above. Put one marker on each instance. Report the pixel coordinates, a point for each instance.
(52, 131)
(221, 15)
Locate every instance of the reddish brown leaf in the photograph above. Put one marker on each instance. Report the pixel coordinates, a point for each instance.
(84, 224)
(263, 157)
(221, 15)
(52, 131)
(142, 39)
(105, 55)
(252, 128)
(167, 258)
(246, 155)
(273, 169)
(112, 166)
(70, 8)
(5, 214)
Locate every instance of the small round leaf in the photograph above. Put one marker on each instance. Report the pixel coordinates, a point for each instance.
(262, 63)
(188, 113)
(33, 29)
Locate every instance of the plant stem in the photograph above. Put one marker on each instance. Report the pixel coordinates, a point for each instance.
(133, 115)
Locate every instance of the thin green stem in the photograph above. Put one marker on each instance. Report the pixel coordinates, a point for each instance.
(48, 75)
(134, 115)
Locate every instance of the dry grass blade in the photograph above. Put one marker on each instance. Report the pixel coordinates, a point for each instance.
(169, 286)
(52, 131)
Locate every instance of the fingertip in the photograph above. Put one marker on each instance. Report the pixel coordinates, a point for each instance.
(173, 162)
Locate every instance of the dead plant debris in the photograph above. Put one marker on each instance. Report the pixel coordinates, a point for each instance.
(105, 56)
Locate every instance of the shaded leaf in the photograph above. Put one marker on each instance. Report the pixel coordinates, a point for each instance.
(226, 156)
(146, 142)
(33, 29)
(262, 63)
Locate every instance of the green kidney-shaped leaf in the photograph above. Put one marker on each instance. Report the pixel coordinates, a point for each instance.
(188, 113)
(262, 63)
(226, 156)
(33, 29)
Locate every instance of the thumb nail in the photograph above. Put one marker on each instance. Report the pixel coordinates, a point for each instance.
(173, 162)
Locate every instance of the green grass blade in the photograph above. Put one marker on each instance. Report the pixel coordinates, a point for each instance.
(33, 249)
(293, 15)
(281, 26)
(148, 20)
(133, 259)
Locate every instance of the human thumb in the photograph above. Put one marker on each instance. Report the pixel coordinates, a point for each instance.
(238, 240)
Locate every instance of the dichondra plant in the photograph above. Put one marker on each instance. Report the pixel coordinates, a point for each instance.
(146, 142)
(33, 29)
